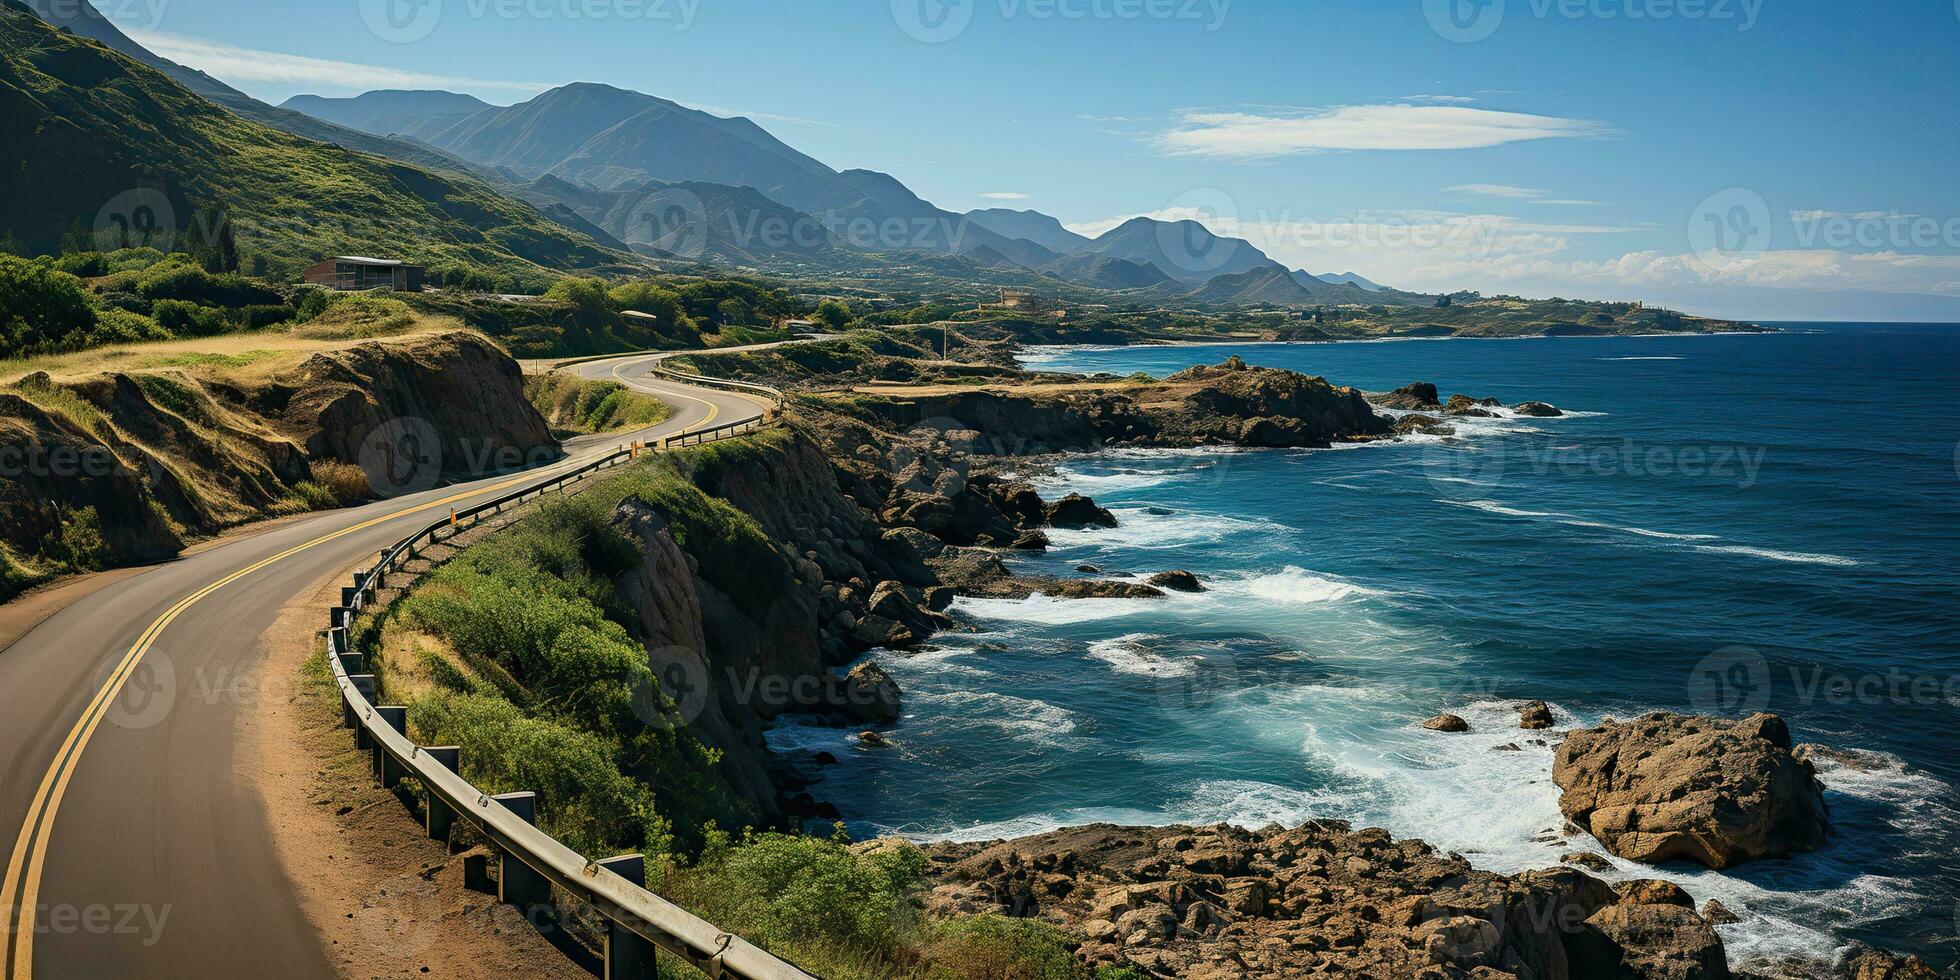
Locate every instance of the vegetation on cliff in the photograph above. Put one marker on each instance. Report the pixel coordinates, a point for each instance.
(585, 405)
(81, 124)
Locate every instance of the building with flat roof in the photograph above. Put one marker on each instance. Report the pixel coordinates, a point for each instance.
(353, 272)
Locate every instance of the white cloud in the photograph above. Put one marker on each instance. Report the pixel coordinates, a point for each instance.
(1569, 201)
(1244, 135)
(1005, 196)
(238, 64)
(1495, 190)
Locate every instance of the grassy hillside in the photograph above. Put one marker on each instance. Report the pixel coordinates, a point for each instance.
(82, 126)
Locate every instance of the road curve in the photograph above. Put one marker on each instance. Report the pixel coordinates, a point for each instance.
(132, 846)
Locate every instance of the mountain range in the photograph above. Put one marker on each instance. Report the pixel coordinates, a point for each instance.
(640, 167)
(86, 124)
(571, 178)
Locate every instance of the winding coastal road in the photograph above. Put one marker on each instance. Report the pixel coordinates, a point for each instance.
(133, 846)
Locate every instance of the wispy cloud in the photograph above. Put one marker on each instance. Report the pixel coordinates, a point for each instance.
(1530, 195)
(1245, 135)
(1495, 190)
(236, 64)
(1005, 196)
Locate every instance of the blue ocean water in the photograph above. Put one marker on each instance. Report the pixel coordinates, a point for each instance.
(1722, 524)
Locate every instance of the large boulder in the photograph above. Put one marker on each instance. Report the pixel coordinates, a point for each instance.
(1077, 511)
(1417, 397)
(868, 695)
(1177, 581)
(1471, 407)
(1646, 942)
(1667, 786)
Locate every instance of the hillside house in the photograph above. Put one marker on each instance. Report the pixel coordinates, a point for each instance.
(354, 272)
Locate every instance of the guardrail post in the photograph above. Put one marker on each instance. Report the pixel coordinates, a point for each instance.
(629, 955)
(353, 663)
(364, 685)
(388, 771)
(347, 594)
(438, 817)
(517, 884)
(339, 616)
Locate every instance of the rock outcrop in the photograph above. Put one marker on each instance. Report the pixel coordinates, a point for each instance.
(1447, 723)
(1667, 786)
(167, 455)
(1418, 397)
(1177, 581)
(1318, 900)
(1077, 511)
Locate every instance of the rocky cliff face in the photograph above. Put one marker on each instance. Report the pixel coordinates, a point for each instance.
(163, 456)
(1321, 899)
(1224, 404)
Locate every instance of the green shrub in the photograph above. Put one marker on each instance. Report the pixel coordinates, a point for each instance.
(992, 947)
(118, 326)
(809, 899)
(88, 265)
(183, 318)
(314, 303)
(315, 496)
(358, 316)
(41, 310)
(81, 544)
(583, 797)
(177, 278)
(262, 315)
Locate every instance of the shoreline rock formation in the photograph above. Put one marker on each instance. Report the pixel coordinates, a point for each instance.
(1666, 786)
(1321, 899)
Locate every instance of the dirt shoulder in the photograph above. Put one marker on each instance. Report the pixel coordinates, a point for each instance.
(387, 901)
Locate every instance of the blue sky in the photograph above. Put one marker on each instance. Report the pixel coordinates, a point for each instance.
(1771, 159)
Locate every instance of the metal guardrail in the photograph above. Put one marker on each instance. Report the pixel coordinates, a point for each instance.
(533, 862)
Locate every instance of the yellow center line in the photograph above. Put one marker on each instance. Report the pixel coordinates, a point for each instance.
(713, 409)
(39, 825)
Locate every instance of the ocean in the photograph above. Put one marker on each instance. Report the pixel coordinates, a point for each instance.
(1720, 524)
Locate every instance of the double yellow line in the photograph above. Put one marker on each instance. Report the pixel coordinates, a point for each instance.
(713, 409)
(21, 889)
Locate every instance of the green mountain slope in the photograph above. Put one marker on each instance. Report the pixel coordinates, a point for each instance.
(82, 126)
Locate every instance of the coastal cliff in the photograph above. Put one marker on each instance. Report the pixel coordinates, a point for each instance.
(117, 467)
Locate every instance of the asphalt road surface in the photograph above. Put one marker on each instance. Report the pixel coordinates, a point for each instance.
(132, 846)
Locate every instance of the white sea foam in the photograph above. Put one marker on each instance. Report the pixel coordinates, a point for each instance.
(1293, 585)
(1128, 655)
(1022, 719)
(1139, 529)
(1772, 554)
(1053, 610)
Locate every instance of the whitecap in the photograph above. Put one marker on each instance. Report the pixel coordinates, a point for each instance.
(1294, 585)
(1052, 610)
(1128, 655)
(1772, 554)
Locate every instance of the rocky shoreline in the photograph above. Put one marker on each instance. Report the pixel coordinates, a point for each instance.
(889, 504)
